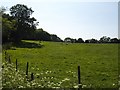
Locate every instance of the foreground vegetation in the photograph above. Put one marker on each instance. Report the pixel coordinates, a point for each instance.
(54, 65)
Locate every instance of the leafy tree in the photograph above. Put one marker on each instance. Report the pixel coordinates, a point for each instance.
(40, 34)
(93, 40)
(80, 40)
(7, 26)
(8, 29)
(114, 40)
(104, 39)
(87, 41)
(73, 40)
(67, 39)
(25, 24)
(55, 38)
(43, 35)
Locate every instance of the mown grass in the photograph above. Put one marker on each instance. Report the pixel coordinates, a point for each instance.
(58, 62)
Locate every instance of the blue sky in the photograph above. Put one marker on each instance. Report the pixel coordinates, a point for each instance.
(75, 19)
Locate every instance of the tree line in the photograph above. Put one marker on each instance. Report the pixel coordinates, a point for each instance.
(103, 39)
(19, 25)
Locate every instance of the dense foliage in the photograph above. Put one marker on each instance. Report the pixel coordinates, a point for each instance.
(103, 39)
(25, 24)
(20, 25)
(40, 34)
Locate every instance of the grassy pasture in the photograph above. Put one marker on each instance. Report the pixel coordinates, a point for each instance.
(57, 62)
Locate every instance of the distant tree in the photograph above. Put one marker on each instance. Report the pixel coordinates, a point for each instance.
(104, 39)
(87, 41)
(114, 40)
(80, 40)
(55, 38)
(93, 40)
(25, 24)
(68, 39)
(40, 34)
(73, 40)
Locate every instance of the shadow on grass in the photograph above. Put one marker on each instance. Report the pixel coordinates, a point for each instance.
(27, 45)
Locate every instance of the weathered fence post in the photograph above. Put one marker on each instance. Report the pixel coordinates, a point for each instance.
(5, 52)
(27, 70)
(79, 78)
(16, 65)
(9, 59)
(5, 56)
(32, 76)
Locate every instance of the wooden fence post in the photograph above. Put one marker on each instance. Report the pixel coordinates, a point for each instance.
(16, 65)
(5, 56)
(79, 78)
(5, 52)
(27, 70)
(32, 76)
(9, 59)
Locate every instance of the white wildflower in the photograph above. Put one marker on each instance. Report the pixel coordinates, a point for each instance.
(38, 69)
(84, 86)
(76, 86)
(113, 84)
(20, 87)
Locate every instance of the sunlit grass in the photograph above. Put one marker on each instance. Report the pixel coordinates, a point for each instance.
(55, 64)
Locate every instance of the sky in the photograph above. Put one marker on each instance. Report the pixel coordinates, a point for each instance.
(74, 18)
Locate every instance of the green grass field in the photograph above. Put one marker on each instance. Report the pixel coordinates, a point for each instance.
(55, 63)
